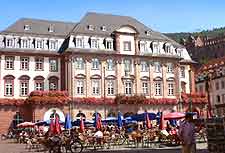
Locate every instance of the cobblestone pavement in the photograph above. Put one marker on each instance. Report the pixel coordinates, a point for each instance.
(7, 147)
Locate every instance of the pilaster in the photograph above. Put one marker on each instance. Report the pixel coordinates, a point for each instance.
(152, 85)
(88, 80)
(164, 94)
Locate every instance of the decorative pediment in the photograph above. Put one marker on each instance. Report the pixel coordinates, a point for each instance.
(95, 76)
(110, 77)
(158, 79)
(80, 76)
(145, 78)
(24, 77)
(9, 77)
(39, 78)
(170, 79)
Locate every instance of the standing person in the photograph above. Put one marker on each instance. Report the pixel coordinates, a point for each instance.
(187, 135)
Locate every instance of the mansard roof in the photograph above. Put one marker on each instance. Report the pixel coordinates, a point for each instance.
(113, 23)
(40, 27)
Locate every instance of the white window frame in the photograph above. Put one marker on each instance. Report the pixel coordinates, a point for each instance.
(109, 44)
(9, 62)
(24, 63)
(128, 86)
(95, 64)
(111, 87)
(39, 64)
(53, 66)
(127, 45)
(170, 88)
(25, 43)
(9, 87)
(80, 87)
(158, 88)
(144, 66)
(79, 43)
(9, 42)
(145, 87)
(170, 68)
(39, 85)
(95, 86)
(24, 87)
(158, 67)
(53, 44)
(110, 65)
(79, 63)
(39, 44)
(94, 43)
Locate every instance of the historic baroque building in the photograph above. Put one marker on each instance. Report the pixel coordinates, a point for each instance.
(100, 56)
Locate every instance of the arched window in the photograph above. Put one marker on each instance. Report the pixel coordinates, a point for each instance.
(53, 83)
(39, 83)
(9, 85)
(24, 85)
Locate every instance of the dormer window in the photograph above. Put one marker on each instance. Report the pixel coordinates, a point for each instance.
(24, 43)
(143, 46)
(27, 27)
(52, 45)
(90, 27)
(109, 44)
(51, 28)
(39, 44)
(156, 47)
(103, 28)
(9, 42)
(167, 48)
(79, 42)
(148, 33)
(94, 43)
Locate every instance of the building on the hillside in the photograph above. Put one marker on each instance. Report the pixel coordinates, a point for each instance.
(210, 80)
(202, 48)
(93, 60)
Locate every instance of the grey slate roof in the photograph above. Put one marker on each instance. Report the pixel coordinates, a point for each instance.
(40, 27)
(114, 22)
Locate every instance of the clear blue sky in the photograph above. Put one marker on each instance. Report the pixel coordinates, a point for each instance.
(160, 15)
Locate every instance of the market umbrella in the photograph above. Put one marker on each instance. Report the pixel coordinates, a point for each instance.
(174, 115)
(161, 125)
(81, 124)
(68, 124)
(147, 121)
(25, 124)
(120, 120)
(57, 126)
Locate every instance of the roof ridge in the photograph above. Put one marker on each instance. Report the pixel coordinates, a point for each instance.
(108, 14)
(45, 20)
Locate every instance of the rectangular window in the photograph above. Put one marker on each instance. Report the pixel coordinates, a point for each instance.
(127, 65)
(39, 44)
(156, 48)
(157, 67)
(145, 88)
(144, 66)
(9, 62)
(53, 65)
(94, 43)
(170, 89)
(222, 84)
(127, 46)
(9, 43)
(24, 63)
(80, 87)
(52, 45)
(95, 64)
(24, 88)
(110, 65)
(39, 64)
(79, 43)
(158, 89)
(39, 85)
(110, 87)
(109, 44)
(79, 63)
(8, 87)
(170, 68)
(182, 72)
(24, 43)
(95, 87)
(128, 88)
(143, 47)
